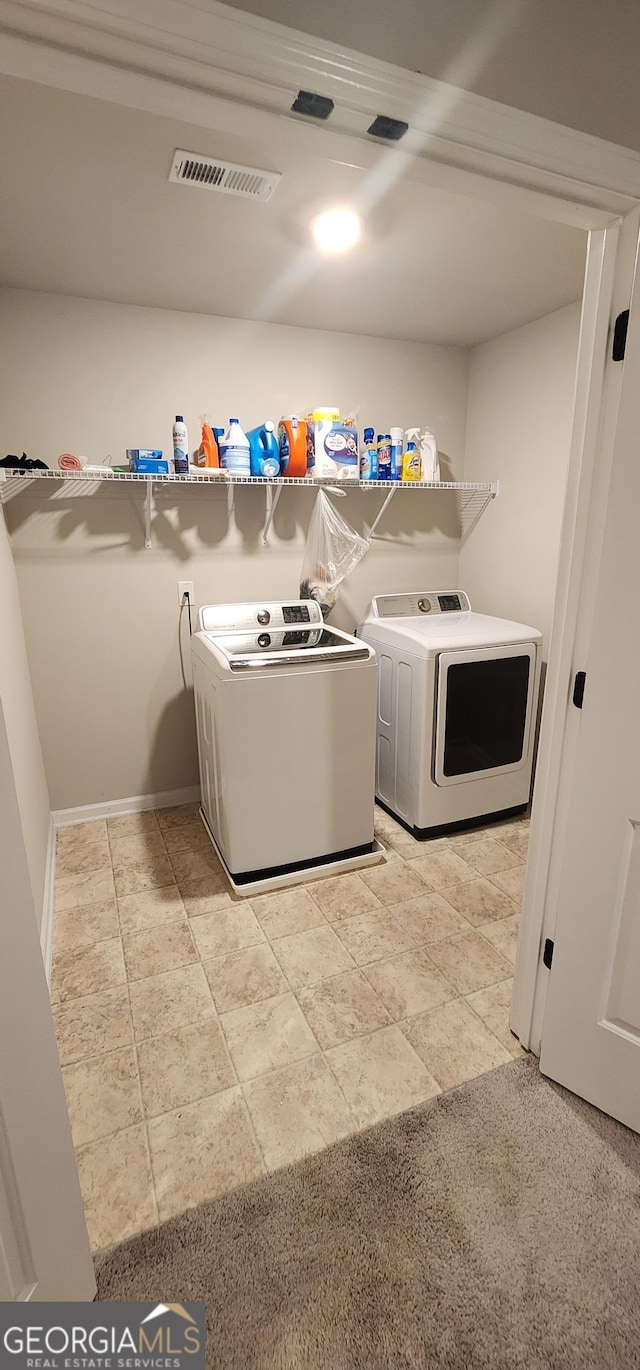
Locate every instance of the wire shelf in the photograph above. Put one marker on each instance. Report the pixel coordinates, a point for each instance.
(472, 497)
(12, 480)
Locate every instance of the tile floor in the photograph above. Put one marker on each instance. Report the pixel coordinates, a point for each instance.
(205, 1039)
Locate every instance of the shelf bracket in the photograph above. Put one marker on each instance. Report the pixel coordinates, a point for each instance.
(274, 496)
(148, 508)
(387, 500)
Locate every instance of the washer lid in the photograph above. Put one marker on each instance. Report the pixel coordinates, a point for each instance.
(287, 647)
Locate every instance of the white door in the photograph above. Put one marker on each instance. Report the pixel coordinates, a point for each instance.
(591, 1027)
(44, 1249)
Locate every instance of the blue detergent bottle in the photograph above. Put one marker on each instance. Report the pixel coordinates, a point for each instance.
(264, 451)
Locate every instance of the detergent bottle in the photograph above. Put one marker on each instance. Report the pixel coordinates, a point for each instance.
(397, 436)
(207, 454)
(429, 455)
(384, 456)
(234, 450)
(369, 456)
(264, 452)
(292, 439)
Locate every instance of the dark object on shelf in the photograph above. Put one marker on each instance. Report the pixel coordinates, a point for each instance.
(316, 106)
(23, 463)
(384, 127)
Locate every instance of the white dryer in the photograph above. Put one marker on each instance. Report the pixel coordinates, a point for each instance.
(286, 723)
(457, 696)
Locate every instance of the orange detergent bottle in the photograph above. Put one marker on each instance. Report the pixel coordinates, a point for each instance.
(208, 454)
(292, 440)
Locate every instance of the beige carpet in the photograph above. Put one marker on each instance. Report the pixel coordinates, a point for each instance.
(496, 1226)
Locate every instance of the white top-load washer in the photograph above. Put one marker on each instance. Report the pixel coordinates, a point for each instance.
(286, 723)
(457, 695)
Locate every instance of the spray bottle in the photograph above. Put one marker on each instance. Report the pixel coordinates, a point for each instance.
(412, 460)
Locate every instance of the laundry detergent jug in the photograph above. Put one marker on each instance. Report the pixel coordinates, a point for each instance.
(292, 437)
(264, 451)
(235, 452)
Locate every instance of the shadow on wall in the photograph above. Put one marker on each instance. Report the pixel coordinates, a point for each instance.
(118, 511)
(173, 758)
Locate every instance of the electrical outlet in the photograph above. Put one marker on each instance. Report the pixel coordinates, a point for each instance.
(185, 587)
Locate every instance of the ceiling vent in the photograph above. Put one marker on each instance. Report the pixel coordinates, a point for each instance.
(191, 168)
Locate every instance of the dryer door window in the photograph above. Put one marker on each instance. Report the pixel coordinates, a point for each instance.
(483, 719)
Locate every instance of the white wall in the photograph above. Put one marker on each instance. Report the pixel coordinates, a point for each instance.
(16, 702)
(519, 417)
(100, 612)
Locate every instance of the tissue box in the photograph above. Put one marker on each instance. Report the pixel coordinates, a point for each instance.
(333, 450)
(147, 461)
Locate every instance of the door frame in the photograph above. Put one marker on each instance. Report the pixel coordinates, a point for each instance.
(175, 58)
(44, 1246)
(610, 279)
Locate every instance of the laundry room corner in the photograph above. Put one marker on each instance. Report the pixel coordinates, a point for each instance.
(86, 579)
(519, 424)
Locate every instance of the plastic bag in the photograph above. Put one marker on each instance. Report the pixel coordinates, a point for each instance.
(333, 550)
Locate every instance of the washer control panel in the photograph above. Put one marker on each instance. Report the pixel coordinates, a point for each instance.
(422, 602)
(245, 618)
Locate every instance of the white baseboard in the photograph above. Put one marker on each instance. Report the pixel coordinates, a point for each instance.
(46, 927)
(137, 803)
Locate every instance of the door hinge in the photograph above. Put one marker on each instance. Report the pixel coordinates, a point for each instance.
(578, 688)
(547, 955)
(620, 336)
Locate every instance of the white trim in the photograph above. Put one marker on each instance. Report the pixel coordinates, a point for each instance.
(209, 65)
(190, 61)
(446, 166)
(46, 926)
(184, 37)
(137, 803)
(610, 276)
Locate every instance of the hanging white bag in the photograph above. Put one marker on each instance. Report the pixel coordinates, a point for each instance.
(332, 552)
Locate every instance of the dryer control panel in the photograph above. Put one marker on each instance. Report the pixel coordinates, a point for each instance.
(421, 602)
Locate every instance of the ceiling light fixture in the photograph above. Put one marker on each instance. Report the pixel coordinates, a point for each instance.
(336, 230)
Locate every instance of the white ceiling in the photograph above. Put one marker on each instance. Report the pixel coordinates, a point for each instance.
(88, 210)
